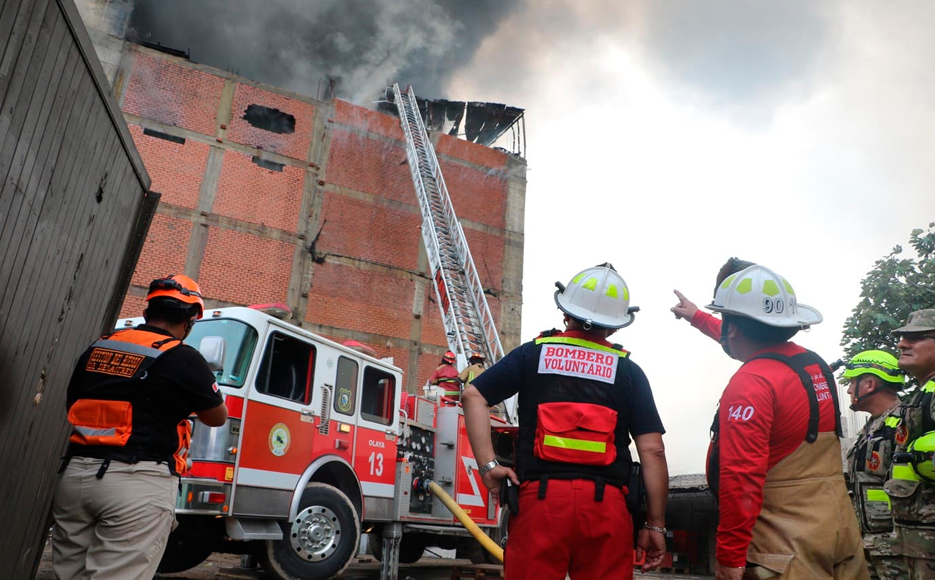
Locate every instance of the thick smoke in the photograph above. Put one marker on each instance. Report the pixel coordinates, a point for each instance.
(294, 44)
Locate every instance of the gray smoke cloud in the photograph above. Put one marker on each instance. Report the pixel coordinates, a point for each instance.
(295, 44)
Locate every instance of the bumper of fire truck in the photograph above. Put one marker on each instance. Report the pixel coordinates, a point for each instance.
(203, 497)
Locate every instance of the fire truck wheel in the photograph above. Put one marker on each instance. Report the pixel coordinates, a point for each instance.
(411, 548)
(322, 540)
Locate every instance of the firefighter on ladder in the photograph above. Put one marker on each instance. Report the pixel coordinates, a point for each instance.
(129, 400)
(775, 458)
(446, 377)
(580, 400)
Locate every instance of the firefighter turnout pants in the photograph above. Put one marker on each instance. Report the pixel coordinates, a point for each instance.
(115, 527)
(569, 531)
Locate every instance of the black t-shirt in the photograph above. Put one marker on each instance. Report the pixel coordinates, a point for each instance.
(177, 384)
(518, 371)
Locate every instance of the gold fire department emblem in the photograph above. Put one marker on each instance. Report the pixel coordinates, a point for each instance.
(279, 439)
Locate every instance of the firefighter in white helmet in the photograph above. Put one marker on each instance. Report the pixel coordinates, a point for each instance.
(581, 398)
(775, 458)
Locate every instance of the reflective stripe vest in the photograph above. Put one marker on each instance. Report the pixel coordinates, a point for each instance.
(112, 415)
(868, 463)
(911, 496)
(574, 404)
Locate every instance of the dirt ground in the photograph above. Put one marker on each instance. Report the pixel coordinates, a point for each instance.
(228, 567)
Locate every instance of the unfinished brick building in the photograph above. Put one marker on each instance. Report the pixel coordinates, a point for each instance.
(270, 196)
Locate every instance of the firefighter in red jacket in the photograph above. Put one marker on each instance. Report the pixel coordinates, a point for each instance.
(775, 458)
(129, 400)
(446, 377)
(581, 398)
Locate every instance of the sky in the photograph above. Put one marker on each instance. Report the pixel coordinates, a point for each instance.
(667, 137)
(663, 137)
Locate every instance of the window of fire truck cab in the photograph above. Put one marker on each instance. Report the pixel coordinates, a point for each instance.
(286, 370)
(345, 394)
(239, 344)
(378, 396)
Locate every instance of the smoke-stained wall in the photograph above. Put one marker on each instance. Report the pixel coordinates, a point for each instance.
(270, 196)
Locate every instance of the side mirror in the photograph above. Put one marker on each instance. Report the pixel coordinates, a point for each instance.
(213, 349)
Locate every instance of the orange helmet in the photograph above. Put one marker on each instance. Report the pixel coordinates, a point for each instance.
(477, 357)
(179, 287)
(449, 357)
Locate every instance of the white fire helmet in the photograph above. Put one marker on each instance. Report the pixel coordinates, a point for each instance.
(597, 296)
(759, 293)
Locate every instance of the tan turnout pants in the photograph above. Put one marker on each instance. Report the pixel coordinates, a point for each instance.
(115, 527)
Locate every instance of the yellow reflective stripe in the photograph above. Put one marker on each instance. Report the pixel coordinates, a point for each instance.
(905, 472)
(878, 495)
(891, 421)
(580, 342)
(929, 387)
(575, 444)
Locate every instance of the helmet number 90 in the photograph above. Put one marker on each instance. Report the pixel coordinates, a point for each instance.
(770, 305)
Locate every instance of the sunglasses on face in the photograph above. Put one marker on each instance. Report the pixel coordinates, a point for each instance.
(914, 338)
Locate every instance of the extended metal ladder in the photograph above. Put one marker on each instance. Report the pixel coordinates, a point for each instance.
(469, 325)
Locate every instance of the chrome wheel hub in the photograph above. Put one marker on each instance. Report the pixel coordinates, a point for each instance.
(315, 533)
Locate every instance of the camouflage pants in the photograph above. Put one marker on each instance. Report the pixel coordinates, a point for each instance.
(920, 568)
(886, 567)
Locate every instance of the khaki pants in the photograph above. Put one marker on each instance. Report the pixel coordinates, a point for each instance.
(115, 527)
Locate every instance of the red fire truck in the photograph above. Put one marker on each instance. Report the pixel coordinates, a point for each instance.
(322, 446)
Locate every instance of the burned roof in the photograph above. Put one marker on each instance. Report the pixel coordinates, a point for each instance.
(483, 123)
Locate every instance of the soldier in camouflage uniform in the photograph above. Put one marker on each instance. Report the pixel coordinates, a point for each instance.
(911, 487)
(874, 378)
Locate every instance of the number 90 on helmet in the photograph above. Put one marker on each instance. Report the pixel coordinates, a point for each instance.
(759, 293)
(596, 296)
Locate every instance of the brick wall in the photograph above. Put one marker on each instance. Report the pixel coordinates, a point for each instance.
(293, 145)
(164, 250)
(163, 90)
(176, 169)
(252, 194)
(363, 202)
(368, 301)
(370, 231)
(244, 268)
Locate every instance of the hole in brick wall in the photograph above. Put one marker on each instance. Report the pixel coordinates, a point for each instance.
(268, 119)
(164, 136)
(271, 165)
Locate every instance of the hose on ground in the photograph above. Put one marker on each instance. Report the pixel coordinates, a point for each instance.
(467, 522)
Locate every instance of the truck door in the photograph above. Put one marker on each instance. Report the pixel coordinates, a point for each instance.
(278, 427)
(375, 445)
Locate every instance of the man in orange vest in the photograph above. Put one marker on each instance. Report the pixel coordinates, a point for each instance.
(446, 377)
(129, 400)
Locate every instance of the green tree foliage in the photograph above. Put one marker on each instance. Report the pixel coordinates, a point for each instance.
(895, 286)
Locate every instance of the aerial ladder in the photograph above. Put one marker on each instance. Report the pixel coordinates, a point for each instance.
(469, 325)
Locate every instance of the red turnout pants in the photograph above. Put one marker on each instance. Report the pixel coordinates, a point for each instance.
(569, 532)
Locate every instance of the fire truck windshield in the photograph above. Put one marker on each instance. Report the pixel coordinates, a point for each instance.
(240, 341)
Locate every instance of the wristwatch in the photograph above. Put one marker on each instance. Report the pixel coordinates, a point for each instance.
(487, 467)
(653, 528)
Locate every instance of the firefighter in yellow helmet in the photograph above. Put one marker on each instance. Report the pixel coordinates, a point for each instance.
(911, 487)
(129, 400)
(873, 379)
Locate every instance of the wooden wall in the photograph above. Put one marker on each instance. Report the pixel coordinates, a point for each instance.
(74, 207)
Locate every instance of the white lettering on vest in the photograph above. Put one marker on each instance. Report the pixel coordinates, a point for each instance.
(576, 361)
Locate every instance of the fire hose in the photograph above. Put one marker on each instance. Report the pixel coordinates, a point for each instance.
(466, 521)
